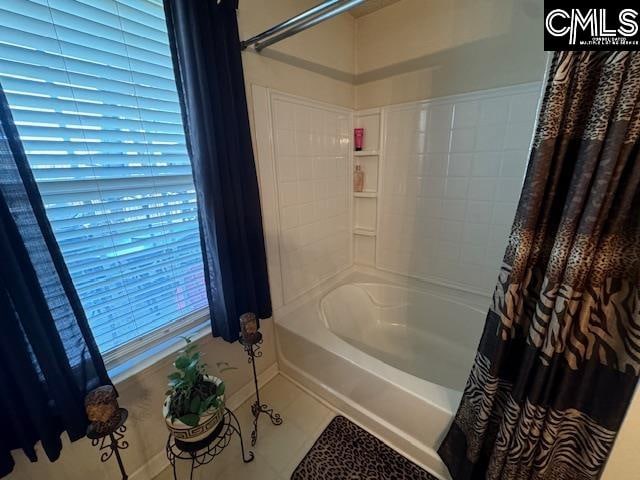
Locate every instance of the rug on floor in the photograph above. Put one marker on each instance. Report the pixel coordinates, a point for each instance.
(346, 451)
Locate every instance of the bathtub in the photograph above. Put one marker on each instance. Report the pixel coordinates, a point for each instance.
(391, 353)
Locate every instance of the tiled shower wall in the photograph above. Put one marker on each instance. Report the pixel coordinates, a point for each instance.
(311, 174)
(451, 177)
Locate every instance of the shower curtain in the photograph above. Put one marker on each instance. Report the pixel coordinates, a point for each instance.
(560, 354)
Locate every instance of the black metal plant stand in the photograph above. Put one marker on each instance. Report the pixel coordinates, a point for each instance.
(205, 450)
(110, 443)
(253, 350)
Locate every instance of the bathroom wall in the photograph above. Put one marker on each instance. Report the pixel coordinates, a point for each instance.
(452, 172)
(318, 63)
(416, 49)
(311, 160)
(303, 156)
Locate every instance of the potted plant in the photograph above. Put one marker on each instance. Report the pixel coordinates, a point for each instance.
(194, 405)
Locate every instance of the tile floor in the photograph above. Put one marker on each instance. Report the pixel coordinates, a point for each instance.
(279, 449)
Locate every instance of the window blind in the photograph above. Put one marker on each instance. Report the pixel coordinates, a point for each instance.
(92, 91)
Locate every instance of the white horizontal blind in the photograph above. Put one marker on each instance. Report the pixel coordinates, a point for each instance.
(92, 90)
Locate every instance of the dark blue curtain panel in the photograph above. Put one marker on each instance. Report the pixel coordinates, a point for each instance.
(48, 357)
(206, 52)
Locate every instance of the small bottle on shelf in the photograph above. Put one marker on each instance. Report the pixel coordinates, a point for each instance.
(358, 138)
(358, 179)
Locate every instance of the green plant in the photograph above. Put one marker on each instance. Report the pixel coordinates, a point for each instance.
(190, 394)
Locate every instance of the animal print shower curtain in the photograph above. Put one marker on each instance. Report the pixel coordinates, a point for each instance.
(560, 354)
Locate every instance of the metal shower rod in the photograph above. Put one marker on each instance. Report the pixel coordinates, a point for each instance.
(307, 19)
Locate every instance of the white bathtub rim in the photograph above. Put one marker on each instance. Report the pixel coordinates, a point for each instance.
(447, 403)
(319, 290)
(437, 396)
(455, 293)
(442, 296)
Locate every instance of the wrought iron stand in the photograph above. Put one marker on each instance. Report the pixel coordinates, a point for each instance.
(257, 408)
(204, 451)
(110, 443)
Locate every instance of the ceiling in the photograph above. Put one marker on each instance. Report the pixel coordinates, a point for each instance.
(370, 6)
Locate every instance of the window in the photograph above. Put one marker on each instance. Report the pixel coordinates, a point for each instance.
(92, 90)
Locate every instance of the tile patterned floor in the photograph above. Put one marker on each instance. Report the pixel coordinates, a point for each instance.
(279, 449)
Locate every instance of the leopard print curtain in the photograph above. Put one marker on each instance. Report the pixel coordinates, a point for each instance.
(560, 354)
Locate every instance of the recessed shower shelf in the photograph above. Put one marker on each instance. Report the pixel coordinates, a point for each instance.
(365, 232)
(365, 153)
(365, 194)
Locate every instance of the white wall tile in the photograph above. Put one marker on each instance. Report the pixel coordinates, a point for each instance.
(305, 191)
(498, 235)
(476, 233)
(459, 164)
(513, 163)
(463, 139)
(474, 254)
(453, 209)
(304, 145)
(419, 143)
(439, 116)
(447, 251)
(486, 164)
(284, 115)
(288, 193)
(495, 255)
(523, 108)
(306, 214)
(503, 213)
(311, 168)
(432, 208)
(304, 166)
(436, 164)
(490, 138)
(478, 212)
(317, 125)
(431, 186)
(518, 136)
(285, 142)
(437, 140)
(466, 114)
(450, 230)
(287, 170)
(446, 215)
(456, 187)
(289, 217)
(482, 189)
(494, 110)
(302, 118)
(508, 189)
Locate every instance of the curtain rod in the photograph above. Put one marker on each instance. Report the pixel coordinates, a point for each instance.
(300, 22)
(289, 23)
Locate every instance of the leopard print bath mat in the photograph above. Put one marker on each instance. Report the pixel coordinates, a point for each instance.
(345, 451)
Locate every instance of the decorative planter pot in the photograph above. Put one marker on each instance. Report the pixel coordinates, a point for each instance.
(209, 420)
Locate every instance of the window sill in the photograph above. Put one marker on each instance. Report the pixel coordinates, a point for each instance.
(156, 353)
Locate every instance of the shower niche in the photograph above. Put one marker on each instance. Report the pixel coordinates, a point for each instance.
(365, 203)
